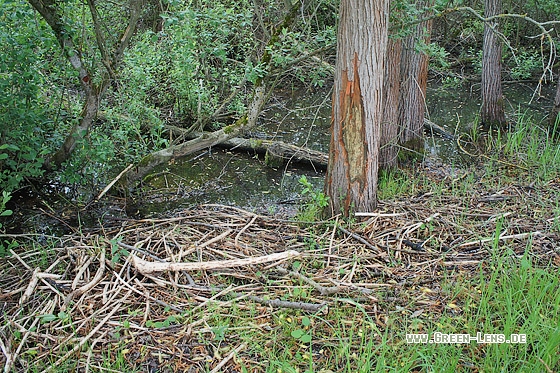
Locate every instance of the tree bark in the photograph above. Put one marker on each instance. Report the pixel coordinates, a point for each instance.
(388, 149)
(204, 141)
(555, 112)
(414, 75)
(492, 112)
(351, 181)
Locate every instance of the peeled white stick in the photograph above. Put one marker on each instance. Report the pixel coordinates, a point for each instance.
(146, 267)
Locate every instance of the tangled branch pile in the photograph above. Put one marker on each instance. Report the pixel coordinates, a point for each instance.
(122, 288)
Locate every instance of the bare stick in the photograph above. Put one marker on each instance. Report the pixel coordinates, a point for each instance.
(9, 356)
(513, 236)
(98, 276)
(243, 230)
(323, 290)
(31, 287)
(108, 187)
(146, 267)
(378, 214)
(22, 343)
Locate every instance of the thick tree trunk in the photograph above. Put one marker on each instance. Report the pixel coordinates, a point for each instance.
(351, 181)
(388, 149)
(492, 112)
(414, 75)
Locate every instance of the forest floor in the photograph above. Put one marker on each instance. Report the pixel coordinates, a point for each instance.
(457, 254)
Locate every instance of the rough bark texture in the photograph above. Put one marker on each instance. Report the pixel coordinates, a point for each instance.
(388, 149)
(554, 118)
(351, 181)
(492, 113)
(414, 75)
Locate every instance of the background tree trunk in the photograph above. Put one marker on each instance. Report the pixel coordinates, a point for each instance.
(492, 113)
(388, 149)
(414, 75)
(351, 181)
(556, 109)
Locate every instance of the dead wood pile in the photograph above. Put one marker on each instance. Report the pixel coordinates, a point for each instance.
(92, 291)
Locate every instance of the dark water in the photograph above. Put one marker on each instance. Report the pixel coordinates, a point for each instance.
(298, 116)
(303, 118)
(241, 178)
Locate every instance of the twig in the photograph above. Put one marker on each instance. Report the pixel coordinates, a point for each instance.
(85, 288)
(238, 349)
(146, 267)
(243, 230)
(9, 356)
(323, 290)
(108, 187)
(358, 238)
(501, 238)
(31, 287)
(379, 214)
(22, 342)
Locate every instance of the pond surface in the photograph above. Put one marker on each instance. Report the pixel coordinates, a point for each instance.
(242, 179)
(303, 118)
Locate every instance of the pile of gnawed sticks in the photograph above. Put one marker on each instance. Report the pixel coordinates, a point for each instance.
(142, 284)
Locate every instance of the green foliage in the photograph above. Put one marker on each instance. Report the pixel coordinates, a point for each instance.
(6, 246)
(303, 333)
(191, 66)
(315, 201)
(117, 251)
(24, 115)
(169, 320)
(525, 64)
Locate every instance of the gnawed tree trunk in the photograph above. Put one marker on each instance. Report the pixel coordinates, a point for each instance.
(492, 112)
(351, 181)
(50, 10)
(414, 75)
(388, 150)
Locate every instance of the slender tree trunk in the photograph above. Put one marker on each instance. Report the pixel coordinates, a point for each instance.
(388, 149)
(414, 75)
(51, 10)
(492, 112)
(351, 181)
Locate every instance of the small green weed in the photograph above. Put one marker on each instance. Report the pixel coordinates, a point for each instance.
(315, 201)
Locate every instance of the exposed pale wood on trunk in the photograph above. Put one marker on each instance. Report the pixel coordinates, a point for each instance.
(351, 181)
